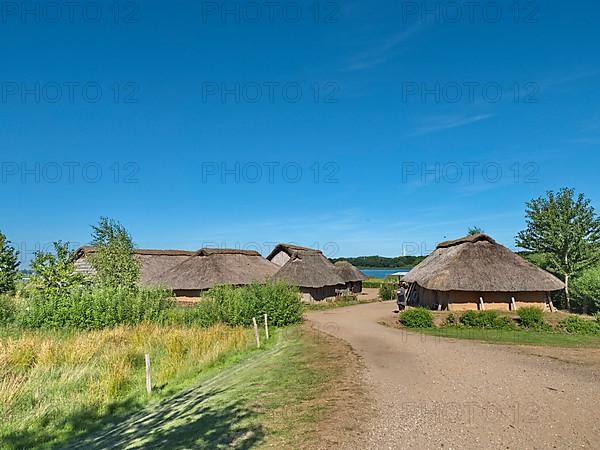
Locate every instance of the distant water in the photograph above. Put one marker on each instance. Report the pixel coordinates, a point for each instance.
(382, 273)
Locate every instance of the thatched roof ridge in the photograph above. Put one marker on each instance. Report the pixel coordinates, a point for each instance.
(86, 250)
(348, 272)
(479, 264)
(309, 269)
(208, 269)
(290, 249)
(226, 251)
(467, 240)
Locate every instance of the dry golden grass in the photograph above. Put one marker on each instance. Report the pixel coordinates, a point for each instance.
(48, 379)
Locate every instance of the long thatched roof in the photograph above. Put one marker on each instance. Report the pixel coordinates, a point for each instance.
(309, 269)
(478, 263)
(348, 272)
(211, 267)
(152, 262)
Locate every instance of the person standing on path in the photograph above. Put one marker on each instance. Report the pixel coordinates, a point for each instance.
(401, 297)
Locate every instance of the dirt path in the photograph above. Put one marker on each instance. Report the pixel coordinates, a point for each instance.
(430, 392)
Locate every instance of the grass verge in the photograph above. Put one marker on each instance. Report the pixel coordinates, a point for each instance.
(56, 385)
(278, 398)
(517, 337)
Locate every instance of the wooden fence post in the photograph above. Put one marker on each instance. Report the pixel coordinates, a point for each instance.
(267, 327)
(256, 332)
(148, 374)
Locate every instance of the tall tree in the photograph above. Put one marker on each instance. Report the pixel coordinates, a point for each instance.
(114, 260)
(475, 230)
(54, 273)
(9, 265)
(564, 227)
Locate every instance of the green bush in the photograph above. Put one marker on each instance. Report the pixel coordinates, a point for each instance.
(479, 319)
(7, 308)
(598, 318)
(531, 317)
(387, 291)
(95, 308)
(485, 319)
(586, 290)
(417, 318)
(578, 325)
(451, 320)
(237, 306)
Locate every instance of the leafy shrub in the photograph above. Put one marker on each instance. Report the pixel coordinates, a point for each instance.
(95, 308)
(586, 290)
(417, 318)
(531, 317)
(387, 291)
(485, 319)
(7, 308)
(54, 273)
(479, 319)
(451, 320)
(237, 306)
(598, 318)
(9, 265)
(578, 325)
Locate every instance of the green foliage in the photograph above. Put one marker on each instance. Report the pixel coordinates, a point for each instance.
(96, 308)
(381, 262)
(7, 308)
(531, 317)
(598, 318)
(586, 290)
(114, 260)
(485, 319)
(54, 274)
(566, 229)
(578, 325)
(387, 291)
(377, 282)
(451, 320)
(475, 230)
(416, 318)
(237, 306)
(9, 265)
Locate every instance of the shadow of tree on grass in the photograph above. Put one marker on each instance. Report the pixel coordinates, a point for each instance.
(194, 418)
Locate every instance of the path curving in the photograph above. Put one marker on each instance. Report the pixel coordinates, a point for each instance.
(430, 392)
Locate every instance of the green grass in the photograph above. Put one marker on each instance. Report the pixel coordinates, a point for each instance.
(272, 399)
(86, 390)
(518, 337)
(56, 385)
(344, 301)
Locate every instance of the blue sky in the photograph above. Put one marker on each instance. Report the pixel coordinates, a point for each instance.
(379, 128)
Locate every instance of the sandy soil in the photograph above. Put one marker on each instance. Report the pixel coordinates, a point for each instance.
(428, 392)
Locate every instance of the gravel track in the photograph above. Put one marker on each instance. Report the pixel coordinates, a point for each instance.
(429, 392)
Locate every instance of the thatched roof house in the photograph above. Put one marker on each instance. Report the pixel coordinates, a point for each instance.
(214, 266)
(351, 275)
(310, 271)
(476, 272)
(283, 252)
(152, 262)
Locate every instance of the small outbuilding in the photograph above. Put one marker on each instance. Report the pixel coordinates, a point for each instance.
(351, 275)
(307, 268)
(475, 272)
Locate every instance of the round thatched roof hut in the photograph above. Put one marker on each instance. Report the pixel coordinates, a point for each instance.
(476, 272)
